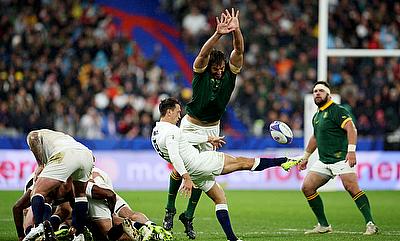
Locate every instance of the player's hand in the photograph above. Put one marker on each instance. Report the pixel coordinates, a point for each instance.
(234, 19)
(223, 24)
(187, 186)
(303, 164)
(217, 141)
(351, 158)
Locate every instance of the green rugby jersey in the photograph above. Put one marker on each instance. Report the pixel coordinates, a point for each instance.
(210, 96)
(331, 138)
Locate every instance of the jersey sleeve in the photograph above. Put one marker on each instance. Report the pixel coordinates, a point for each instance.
(195, 139)
(172, 143)
(342, 117)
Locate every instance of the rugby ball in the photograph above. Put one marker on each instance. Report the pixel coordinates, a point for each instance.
(281, 132)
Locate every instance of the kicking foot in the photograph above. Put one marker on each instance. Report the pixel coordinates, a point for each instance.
(188, 223)
(291, 162)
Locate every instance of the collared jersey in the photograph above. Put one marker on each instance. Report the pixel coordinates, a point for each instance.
(211, 96)
(331, 138)
(54, 142)
(175, 146)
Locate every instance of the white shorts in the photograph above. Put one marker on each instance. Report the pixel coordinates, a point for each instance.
(76, 163)
(205, 168)
(332, 170)
(187, 126)
(98, 209)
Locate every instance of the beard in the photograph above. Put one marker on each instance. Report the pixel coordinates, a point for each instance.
(321, 101)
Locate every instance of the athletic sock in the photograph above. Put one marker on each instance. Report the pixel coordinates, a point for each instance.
(317, 206)
(79, 214)
(362, 203)
(174, 184)
(264, 163)
(115, 232)
(47, 211)
(221, 211)
(193, 200)
(55, 221)
(37, 203)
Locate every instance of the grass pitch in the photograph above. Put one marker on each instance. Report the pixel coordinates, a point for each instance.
(257, 215)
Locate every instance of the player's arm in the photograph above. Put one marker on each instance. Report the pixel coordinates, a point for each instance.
(195, 139)
(176, 160)
(311, 146)
(35, 144)
(201, 61)
(352, 142)
(236, 58)
(18, 209)
(95, 192)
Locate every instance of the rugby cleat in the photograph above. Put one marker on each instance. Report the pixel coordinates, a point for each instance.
(291, 162)
(63, 235)
(159, 233)
(188, 223)
(318, 229)
(371, 229)
(168, 222)
(131, 231)
(48, 232)
(34, 233)
(146, 232)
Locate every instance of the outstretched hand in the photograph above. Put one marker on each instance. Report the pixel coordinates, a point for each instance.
(217, 141)
(223, 24)
(234, 19)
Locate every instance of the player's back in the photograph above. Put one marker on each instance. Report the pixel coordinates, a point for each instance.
(55, 141)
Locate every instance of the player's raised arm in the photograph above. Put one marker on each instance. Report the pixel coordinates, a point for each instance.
(201, 61)
(236, 58)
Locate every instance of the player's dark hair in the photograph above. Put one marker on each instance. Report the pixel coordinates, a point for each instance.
(322, 83)
(167, 104)
(216, 57)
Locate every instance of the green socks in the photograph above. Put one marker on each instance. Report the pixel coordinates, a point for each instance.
(174, 184)
(317, 206)
(362, 203)
(193, 200)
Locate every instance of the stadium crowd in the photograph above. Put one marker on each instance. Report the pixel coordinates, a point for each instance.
(281, 58)
(66, 65)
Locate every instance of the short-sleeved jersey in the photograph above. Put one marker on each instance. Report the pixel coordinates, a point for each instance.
(210, 96)
(173, 145)
(54, 142)
(331, 138)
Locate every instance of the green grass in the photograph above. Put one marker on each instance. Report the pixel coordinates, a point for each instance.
(258, 215)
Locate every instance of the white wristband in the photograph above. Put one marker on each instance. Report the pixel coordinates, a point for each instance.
(351, 148)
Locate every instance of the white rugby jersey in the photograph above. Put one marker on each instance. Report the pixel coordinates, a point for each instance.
(175, 146)
(103, 180)
(54, 142)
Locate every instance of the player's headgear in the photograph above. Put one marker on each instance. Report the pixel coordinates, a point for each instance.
(322, 85)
